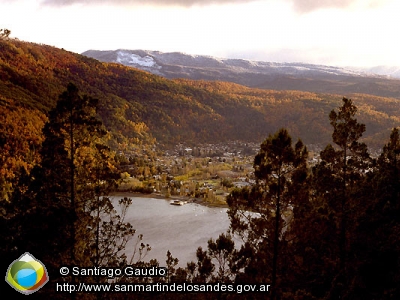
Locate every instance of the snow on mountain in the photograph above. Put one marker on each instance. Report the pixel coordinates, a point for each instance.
(260, 74)
(156, 61)
(234, 65)
(160, 63)
(134, 59)
(385, 70)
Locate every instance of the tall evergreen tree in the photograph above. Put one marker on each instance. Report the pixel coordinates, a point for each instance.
(346, 134)
(68, 220)
(262, 215)
(337, 179)
(377, 269)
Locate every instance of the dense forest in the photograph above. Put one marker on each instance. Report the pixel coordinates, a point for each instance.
(323, 231)
(326, 231)
(138, 108)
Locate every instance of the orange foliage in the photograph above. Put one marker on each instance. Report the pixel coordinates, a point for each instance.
(20, 139)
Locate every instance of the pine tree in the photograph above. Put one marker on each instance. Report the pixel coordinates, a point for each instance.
(216, 264)
(69, 219)
(262, 215)
(337, 179)
(377, 274)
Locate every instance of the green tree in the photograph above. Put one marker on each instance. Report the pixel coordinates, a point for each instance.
(216, 264)
(346, 133)
(262, 215)
(71, 136)
(201, 271)
(389, 171)
(222, 251)
(69, 220)
(336, 193)
(314, 246)
(377, 245)
(171, 264)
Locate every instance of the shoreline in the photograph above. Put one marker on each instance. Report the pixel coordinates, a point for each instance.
(162, 197)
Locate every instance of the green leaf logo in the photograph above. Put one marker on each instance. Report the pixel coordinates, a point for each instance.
(27, 274)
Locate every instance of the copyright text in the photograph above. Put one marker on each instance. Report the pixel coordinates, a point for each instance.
(128, 271)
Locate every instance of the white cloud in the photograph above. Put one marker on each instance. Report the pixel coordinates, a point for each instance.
(353, 33)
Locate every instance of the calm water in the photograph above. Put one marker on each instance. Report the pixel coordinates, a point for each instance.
(179, 229)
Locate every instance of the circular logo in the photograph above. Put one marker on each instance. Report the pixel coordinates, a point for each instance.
(27, 274)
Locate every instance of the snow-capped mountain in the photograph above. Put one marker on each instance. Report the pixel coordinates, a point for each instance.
(270, 75)
(135, 60)
(385, 70)
(160, 62)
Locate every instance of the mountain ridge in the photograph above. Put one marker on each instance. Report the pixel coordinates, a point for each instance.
(144, 112)
(178, 58)
(258, 74)
(138, 107)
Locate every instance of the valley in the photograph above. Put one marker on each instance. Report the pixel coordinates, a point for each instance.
(146, 113)
(74, 129)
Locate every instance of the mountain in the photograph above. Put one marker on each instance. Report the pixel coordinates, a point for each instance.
(258, 74)
(393, 72)
(140, 108)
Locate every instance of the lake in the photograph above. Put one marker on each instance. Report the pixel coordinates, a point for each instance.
(179, 229)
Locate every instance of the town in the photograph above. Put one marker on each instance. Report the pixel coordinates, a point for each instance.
(205, 173)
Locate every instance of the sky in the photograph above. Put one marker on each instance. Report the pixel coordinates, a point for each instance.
(347, 33)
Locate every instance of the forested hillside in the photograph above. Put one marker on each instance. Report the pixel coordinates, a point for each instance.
(141, 108)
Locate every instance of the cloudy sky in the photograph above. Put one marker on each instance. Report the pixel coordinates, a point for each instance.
(332, 32)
